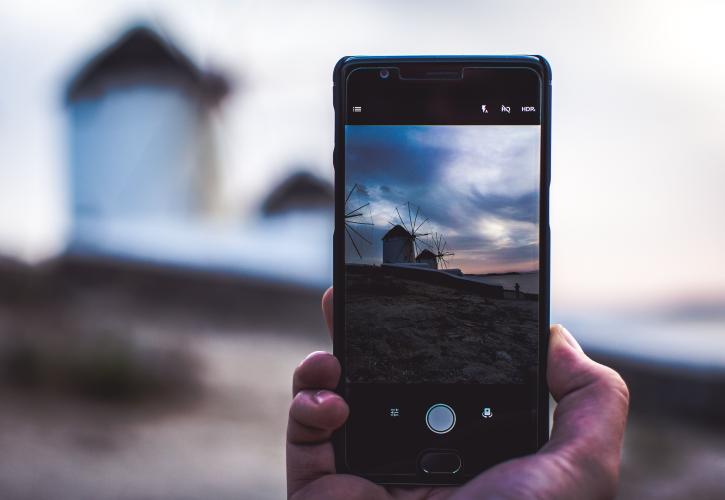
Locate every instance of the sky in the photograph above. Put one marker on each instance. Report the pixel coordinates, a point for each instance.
(475, 185)
(638, 162)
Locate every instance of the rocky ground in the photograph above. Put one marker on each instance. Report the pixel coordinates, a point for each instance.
(402, 330)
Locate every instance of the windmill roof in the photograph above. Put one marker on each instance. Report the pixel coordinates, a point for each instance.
(397, 231)
(300, 191)
(426, 254)
(140, 54)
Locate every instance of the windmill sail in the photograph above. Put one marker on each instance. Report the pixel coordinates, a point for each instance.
(412, 225)
(358, 221)
(439, 247)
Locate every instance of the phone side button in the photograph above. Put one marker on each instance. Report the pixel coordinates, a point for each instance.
(440, 462)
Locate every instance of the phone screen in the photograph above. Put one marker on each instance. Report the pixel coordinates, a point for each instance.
(442, 267)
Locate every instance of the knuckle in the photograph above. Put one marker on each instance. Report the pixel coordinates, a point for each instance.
(614, 384)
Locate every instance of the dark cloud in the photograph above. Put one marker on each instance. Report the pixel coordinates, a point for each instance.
(523, 207)
(399, 164)
(393, 156)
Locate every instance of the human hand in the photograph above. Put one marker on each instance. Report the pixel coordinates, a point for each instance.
(580, 460)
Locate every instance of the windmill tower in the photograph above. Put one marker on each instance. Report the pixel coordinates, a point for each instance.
(358, 221)
(440, 250)
(400, 244)
(427, 257)
(141, 135)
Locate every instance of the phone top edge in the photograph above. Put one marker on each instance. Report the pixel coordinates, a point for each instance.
(537, 61)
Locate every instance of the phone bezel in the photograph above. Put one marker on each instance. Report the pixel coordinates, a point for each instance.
(343, 68)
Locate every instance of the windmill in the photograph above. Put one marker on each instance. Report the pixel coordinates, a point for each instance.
(358, 220)
(413, 225)
(439, 247)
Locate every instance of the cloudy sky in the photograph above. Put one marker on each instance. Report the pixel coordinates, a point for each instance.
(477, 185)
(637, 152)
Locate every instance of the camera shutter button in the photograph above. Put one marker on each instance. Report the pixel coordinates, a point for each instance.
(440, 418)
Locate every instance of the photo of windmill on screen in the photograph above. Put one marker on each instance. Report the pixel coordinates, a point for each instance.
(442, 253)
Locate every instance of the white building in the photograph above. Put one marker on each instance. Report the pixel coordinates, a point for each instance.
(143, 176)
(428, 258)
(140, 144)
(398, 246)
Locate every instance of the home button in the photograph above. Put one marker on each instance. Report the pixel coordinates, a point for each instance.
(440, 462)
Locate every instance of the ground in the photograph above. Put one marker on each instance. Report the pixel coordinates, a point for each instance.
(408, 330)
(230, 443)
(227, 440)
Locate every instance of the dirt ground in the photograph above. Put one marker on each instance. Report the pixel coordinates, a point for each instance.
(227, 441)
(230, 444)
(400, 330)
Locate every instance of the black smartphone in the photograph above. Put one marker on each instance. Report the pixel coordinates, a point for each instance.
(441, 263)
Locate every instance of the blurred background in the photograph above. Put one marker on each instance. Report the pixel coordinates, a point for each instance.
(166, 223)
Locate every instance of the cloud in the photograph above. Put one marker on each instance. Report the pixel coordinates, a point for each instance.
(477, 185)
(393, 155)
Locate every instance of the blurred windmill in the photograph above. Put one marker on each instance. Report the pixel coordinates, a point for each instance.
(439, 247)
(358, 220)
(413, 225)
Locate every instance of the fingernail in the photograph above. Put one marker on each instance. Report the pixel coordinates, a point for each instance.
(312, 354)
(322, 396)
(570, 338)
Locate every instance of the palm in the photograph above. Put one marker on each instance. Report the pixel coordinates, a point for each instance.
(581, 460)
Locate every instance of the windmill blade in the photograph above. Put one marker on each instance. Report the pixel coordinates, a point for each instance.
(410, 218)
(429, 245)
(416, 216)
(356, 212)
(352, 189)
(359, 235)
(361, 207)
(401, 218)
(421, 224)
(359, 223)
(352, 240)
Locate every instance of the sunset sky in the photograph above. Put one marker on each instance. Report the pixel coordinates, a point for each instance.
(477, 185)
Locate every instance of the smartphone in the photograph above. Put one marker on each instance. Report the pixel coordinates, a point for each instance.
(441, 263)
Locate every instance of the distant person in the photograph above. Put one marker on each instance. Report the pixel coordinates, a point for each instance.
(580, 461)
(517, 288)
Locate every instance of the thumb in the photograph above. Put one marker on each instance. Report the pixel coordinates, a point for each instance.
(591, 414)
